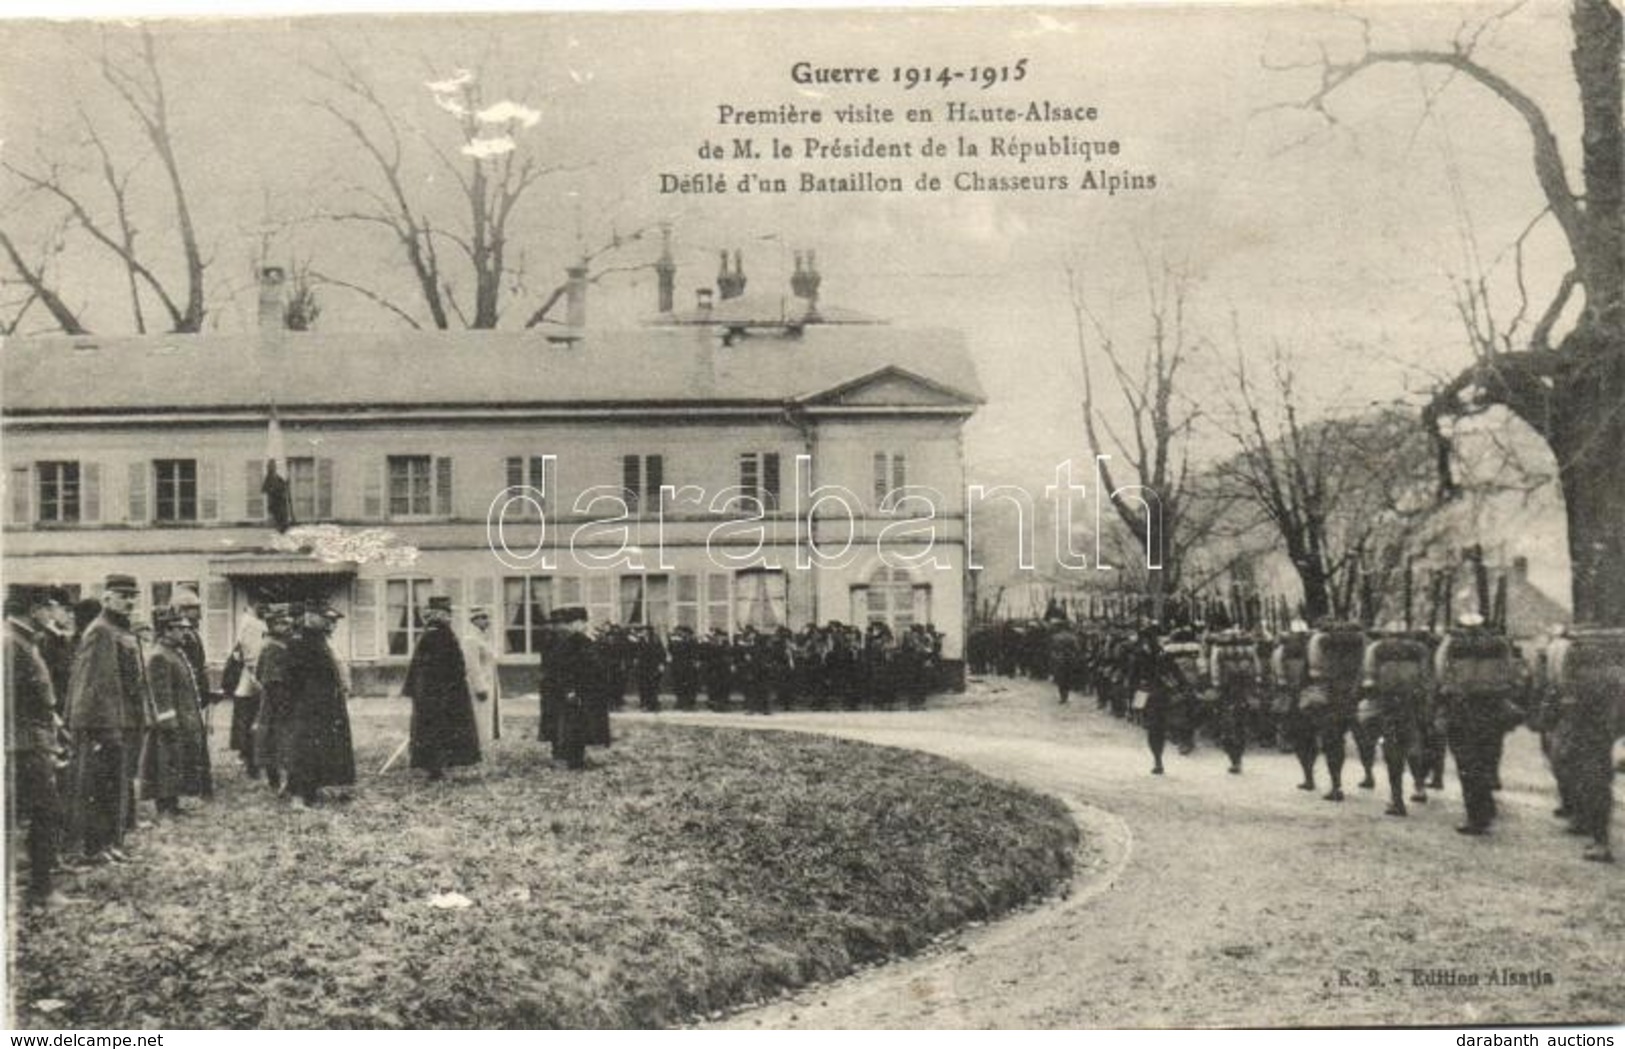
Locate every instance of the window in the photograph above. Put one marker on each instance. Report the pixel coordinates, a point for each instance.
(411, 485)
(646, 600)
(175, 490)
(891, 473)
(404, 601)
(526, 601)
(891, 598)
(58, 492)
(687, 603)
(759, 476)
(600, 599)
(310, 488)
(641, 478)
(528, 471)
(760, 599)
(719, 601)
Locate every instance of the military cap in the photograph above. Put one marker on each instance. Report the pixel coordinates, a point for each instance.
(439, 603)
(124, 584)
(331, 613)
(479, 611)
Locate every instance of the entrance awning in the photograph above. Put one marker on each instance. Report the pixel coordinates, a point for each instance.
(259, 567)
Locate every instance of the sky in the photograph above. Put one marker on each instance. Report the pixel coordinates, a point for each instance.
(1338, 241)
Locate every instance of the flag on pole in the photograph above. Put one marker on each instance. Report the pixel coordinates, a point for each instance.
(278, 499)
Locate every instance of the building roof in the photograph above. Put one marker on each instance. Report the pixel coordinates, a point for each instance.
(61, 374)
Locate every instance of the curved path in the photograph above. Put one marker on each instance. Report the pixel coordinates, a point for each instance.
(1204, 899)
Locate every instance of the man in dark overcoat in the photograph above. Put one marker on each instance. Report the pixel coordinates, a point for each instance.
(685, 666)
(270, 731)
(177, 759)
(575, 675)
(648, 666)
(443, 731)
(31, 732)
(320, 750)
(106, 705)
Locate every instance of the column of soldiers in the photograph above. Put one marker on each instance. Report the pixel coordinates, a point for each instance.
(1408, 697)
(102, 713)
(817, 667)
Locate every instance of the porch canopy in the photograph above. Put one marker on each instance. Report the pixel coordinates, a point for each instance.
(259, 566)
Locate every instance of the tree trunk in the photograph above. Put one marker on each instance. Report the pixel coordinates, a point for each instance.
(1589, 439)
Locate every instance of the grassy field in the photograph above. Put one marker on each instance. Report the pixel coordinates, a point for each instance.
(691, 870)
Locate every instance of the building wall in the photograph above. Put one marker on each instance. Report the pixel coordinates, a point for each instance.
(697, 560)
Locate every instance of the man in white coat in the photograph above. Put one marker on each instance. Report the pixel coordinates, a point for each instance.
(480, 657)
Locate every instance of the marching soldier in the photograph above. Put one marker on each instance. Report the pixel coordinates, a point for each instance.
(1396, 682)
(1158, 685)
(1336, 652)
(1233, 665)
(1587, 675)
(1476, 679)
(1289, 672)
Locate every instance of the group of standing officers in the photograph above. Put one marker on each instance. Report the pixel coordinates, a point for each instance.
(101, 712)
(1411, 697)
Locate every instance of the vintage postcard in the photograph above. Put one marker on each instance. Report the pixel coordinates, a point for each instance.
(1155, 468)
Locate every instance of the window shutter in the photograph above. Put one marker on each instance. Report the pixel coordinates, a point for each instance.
(208, 496)
(899, 467)
(747, 471)
(629, 479)
(654, 468)
(324, 489)
(216, 618)
(538, 476)
(442, 486)
(452, 587)
(90, 492)
(22, 479)
(364, 619)
(372, 492)
(254, 498)
(515, 467)
(138, 492)
(770, 478)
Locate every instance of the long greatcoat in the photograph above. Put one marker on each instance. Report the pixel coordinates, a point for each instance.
(178, 756)
(320, 750)
(443, 730)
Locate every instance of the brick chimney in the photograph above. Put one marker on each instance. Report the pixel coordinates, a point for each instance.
(731, 285)
(806, 279)
(666, 270)
(575, 296)
(702, 299)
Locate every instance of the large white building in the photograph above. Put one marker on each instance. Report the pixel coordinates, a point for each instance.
(632, 454)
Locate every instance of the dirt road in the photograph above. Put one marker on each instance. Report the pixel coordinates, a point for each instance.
(1205, 899)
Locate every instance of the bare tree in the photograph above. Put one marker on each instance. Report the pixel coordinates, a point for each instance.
(1158, 507)
(1347, 497)
(136, 78)
(450, 243)
(1569, 389)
